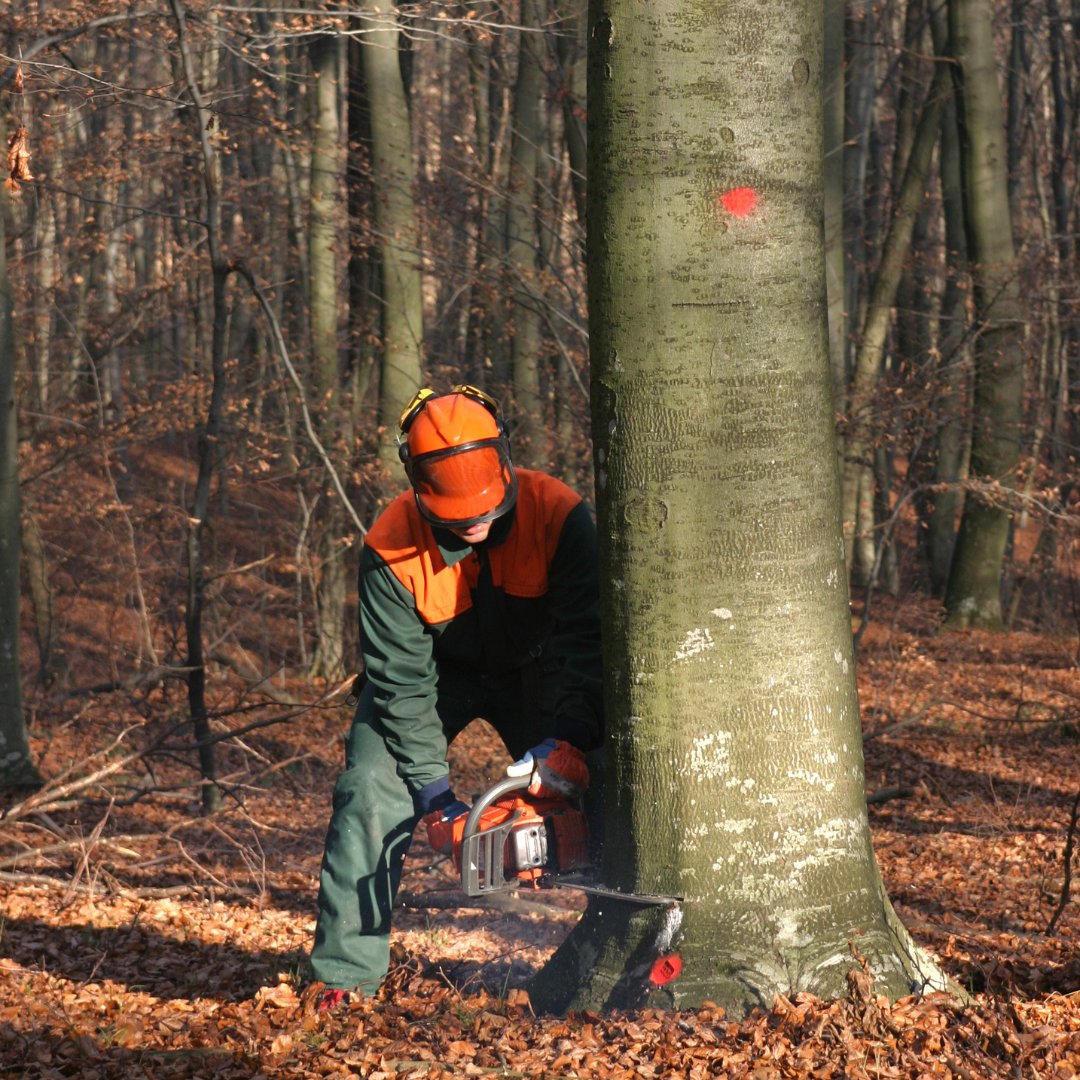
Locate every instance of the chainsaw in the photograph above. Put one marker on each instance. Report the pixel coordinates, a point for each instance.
(511, 838)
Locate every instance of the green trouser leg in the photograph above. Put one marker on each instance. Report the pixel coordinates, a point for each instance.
(368, 837)
(373, 819)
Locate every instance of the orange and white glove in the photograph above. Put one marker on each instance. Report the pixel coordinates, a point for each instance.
(557, 770)
(440, 826)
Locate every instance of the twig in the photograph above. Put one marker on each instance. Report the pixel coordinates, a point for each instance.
(888, 794)
(59, 789)
(1066, 885)
(91, 890)
(114, 843)
(283, 354)
(915, 717)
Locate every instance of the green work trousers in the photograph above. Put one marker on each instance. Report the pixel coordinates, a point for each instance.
(372, 820)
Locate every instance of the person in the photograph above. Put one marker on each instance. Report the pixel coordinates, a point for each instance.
(478, 597)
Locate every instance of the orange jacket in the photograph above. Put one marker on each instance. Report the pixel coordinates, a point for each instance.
(428, 598)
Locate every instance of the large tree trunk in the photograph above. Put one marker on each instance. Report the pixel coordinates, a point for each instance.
(833, 148)
(973, 596)
(735, 770)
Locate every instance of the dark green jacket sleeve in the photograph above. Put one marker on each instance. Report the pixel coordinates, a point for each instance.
(574, 595)
(399, 663)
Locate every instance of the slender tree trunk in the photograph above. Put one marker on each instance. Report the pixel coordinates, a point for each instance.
(973, 597)
(858, 449)
(16, 767)
(210, 430)
(1065, 96)
(395, 222)
(325, 229)
(939, 508)
(365, 316)
(45, 242)
(522, 243)
(325, 253)
(860, 74)
(570, 53)
(734, 778)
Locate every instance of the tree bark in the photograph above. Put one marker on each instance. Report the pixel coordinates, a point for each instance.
(833, 147)
(522, 242)
(940, 508)
(395, 222)
(325, 255)
(210, 430)
(16, 767)
(973, 596)
(735, 774)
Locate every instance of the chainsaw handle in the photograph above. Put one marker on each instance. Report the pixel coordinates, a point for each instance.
(492, 795)
(481, 859)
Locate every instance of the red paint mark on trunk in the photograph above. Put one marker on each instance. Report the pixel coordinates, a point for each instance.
(739, 201)
(665, 969)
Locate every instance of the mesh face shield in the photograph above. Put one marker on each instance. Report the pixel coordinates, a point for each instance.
(464, 485)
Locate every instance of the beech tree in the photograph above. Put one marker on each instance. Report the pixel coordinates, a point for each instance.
(394, 222)
(735, 769)
(973, 596)
(16, 767)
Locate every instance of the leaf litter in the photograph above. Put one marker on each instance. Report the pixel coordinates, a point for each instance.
(140, 940)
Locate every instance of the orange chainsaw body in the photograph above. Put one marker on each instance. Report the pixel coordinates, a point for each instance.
(519, 839)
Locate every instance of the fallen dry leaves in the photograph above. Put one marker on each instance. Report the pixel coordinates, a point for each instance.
(157, 943)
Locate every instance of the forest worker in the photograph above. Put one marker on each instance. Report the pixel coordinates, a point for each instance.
(478, 598)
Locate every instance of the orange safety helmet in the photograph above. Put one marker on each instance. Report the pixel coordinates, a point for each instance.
(457, 457)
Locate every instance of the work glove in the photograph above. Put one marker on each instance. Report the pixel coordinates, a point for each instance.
(440, 826)
(557, 770)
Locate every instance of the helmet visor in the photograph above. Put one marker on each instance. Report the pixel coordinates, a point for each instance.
(465, 485)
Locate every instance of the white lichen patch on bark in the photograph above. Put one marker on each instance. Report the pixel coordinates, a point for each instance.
(845, 831)
(787, 933)
(694, 644)
(710, 756)
(811, 778)
(736, 825)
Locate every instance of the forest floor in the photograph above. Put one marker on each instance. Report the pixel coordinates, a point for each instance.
(140, 939)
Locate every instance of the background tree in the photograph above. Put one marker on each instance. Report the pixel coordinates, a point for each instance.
(16, 767)
(209, 447)
(399, 296)
(326, 257)
(973, 596)
(114, 320)
(735, 776)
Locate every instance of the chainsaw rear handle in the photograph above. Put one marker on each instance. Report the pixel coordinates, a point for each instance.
(482, 868)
